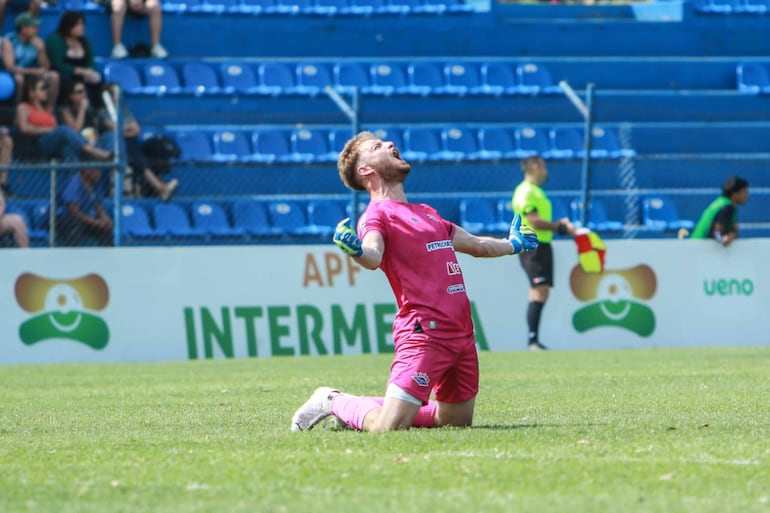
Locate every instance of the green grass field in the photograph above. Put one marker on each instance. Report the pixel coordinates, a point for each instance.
(676, 430)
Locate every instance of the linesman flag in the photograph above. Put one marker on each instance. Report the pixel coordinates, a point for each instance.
(591, 250)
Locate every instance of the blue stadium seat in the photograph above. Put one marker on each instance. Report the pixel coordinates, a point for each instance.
(351, 75)
(271, 145)
(605, 144)
(239, 78)
(598, 219)
(533, 141)
(459, 6)
(181, 6)
(423, 143)
(535, 79)
(312, 145)
(389, 78)
(478, 215)
(295, 6)
(37, 235)
(462, 143)
(718, 6)
(172, 220)
(660, 213)
(431, 7)
(756, 6)
(367, 6)
(499, 78)
(463, 78)
(753, 77)
(40, 215)
(251, 216)
(232, 145)
(161, 78)
(560, 208)
(219, 6)
(200, 78)
(331, 7)
(83, 6)
(259, 6)
(567, 143)
(135, 224)
(403, 6)
(125, 75)
(195, 145)
(289, 217)
(426, 78)
(323, 216)
(277, 78)
(211, 218)
(338, 137)
(499, 143)
(312, 78)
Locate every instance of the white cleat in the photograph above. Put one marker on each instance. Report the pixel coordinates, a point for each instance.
(315, 409)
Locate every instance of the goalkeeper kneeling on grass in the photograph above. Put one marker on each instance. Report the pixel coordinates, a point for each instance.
(435, 349)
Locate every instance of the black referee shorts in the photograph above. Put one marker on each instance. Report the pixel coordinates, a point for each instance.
(538, 265)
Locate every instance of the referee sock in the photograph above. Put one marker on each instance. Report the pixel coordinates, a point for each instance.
(533, 321)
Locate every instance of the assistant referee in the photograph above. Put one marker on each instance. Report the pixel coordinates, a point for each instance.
(532, 204)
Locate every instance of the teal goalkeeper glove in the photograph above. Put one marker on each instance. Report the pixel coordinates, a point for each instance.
(346, 239)
(523, 239)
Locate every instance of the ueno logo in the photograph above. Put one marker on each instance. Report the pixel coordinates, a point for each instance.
(728, 287)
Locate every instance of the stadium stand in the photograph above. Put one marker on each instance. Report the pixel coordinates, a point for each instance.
(259, 132)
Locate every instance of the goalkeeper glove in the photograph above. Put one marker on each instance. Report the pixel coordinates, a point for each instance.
(522, 239)
(346, 239)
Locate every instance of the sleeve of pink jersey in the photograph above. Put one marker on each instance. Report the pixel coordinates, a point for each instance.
(372, 221)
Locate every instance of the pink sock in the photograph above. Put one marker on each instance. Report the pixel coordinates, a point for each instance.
(425, 415)
(353, 409)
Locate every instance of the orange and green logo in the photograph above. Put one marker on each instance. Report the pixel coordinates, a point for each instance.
(615, 297)
(63, 309)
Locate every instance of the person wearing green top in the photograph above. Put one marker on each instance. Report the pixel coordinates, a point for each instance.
(720, 219)
(71, 54)
(532, 204)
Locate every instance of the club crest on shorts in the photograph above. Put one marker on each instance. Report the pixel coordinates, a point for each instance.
(421, 378)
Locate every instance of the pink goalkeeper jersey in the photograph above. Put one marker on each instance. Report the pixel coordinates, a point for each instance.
(421, 266)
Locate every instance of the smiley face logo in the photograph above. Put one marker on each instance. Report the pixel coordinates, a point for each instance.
(615, 299)
(63, 309)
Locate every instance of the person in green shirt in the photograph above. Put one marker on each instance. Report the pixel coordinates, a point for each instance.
(532, 204)
(720, 219)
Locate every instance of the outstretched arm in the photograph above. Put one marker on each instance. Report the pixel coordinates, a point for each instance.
(519, 240)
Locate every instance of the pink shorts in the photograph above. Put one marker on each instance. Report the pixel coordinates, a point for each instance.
(448, 367)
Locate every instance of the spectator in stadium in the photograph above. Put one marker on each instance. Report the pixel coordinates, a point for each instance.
(39, 136)
(146, 181)
(23, 53)
(9, 222)
(6, 156)
(143, 8)
(720, 219)
(71, 53)
(76, 111)
(531, 202)
(435, 349)
(85, 221)
(19, 6)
